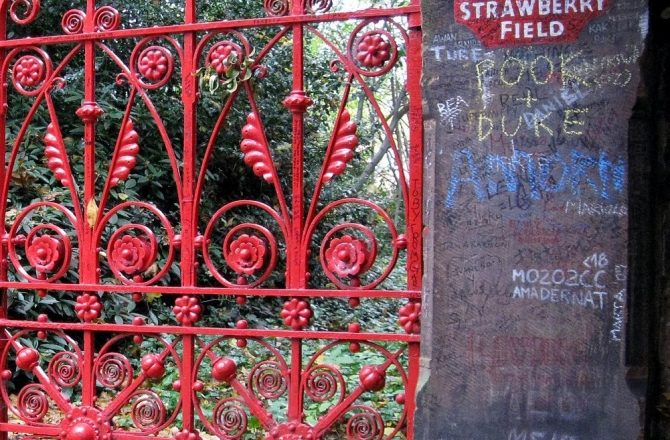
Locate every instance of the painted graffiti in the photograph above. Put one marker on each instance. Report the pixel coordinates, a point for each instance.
(576, 172)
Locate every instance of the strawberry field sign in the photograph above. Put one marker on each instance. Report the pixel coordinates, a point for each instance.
(505, 23)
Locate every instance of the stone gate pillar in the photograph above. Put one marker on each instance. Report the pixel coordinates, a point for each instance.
(527, 109)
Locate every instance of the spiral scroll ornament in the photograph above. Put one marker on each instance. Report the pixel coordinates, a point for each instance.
(349, 250)
(107, 19)
(365, 424)
(47, 247)
(268, 379)
(230, 418)
(323, 382)
(318, 6)
(132, 249)
(64, 369)
(249, 249)
(276, 7)
(33, 403)
(113, 370)
(24, 11)
(73, 21)
(147, 411)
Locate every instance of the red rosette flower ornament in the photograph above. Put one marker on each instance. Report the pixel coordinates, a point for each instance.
(131, 254)
(44, 253)
(223, 56)
(246, 254)
(373, 50)
(296, 313)
(347, 256)
(88, 307)
(410, 318)
(154, 63)
(28, 71)
(187, 310)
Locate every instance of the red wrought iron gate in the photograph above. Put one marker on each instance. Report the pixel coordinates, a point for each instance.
(117, 375)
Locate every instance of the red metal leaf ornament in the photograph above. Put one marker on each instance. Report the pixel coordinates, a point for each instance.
(57, 156)
(126, 154)
(343, 149)
(255, 149)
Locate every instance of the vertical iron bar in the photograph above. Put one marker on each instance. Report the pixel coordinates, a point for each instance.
(415, 211)
(88, 258)
(3, 230)
(297, 102)
(189, 226)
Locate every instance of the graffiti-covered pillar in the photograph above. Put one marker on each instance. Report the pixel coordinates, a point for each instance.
(527, 109)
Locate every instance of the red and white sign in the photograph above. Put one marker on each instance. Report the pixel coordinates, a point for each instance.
(503, 23)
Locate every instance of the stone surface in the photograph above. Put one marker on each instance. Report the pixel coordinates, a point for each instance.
(527, 241)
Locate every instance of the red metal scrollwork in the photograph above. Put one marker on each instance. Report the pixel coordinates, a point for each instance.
(313, 240)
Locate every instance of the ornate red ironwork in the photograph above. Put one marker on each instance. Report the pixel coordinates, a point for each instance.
(112, 378)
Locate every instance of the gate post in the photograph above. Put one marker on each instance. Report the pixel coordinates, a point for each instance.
(528, 220)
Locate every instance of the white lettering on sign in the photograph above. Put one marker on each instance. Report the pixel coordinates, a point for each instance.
(501, 23)
(493, 9)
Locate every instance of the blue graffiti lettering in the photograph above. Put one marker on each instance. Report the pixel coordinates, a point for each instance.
(580, 173)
